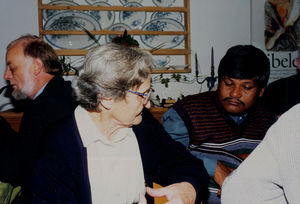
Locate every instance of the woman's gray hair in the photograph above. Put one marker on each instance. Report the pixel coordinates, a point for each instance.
(108, 71)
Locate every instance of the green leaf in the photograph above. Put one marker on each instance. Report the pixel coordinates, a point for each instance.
(165, 81)
(177, 77)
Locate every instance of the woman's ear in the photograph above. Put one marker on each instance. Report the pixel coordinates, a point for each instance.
(107, 103)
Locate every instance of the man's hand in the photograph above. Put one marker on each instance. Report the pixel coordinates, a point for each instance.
(221, 173)
(178, 193)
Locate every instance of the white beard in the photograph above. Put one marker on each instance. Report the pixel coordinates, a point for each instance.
(27, 89)
(18, 95)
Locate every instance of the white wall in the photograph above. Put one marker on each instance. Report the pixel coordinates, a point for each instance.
(217, 23)
(16, 17)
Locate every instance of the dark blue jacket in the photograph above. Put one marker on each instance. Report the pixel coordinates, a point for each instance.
(61, 174)
(20, 151)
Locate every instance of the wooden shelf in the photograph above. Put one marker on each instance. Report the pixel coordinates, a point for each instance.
(80, 52)
(108, 32)
(158, 112)
(14, 118)
(185, 10)
(113, 8)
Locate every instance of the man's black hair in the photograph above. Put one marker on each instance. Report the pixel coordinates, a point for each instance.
(245, 62)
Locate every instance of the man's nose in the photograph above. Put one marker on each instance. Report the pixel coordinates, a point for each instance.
(7, 74)
(236, 92)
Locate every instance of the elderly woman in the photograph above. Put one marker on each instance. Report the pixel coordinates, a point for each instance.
(111, 149)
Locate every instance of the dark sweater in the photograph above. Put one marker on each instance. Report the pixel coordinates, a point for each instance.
(61, 174)
(283, 94)
(22, 150)
(206, 121)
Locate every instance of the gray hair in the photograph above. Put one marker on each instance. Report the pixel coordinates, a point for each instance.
(108, 71)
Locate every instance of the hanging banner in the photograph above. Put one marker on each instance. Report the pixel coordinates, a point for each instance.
(281, 36)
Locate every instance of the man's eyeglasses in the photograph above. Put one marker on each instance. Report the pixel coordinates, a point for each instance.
(145, 96)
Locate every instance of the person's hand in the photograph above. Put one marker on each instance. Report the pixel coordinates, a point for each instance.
(183, 192)
(221, 173)
(243, 156)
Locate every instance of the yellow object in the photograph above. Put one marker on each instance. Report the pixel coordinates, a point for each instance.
(160, 200)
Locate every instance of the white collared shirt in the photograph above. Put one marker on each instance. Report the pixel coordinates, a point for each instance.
(115, 167)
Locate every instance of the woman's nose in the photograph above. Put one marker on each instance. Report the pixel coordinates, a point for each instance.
(148, 104)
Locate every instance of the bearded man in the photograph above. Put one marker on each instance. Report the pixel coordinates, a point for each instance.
(33, 71)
